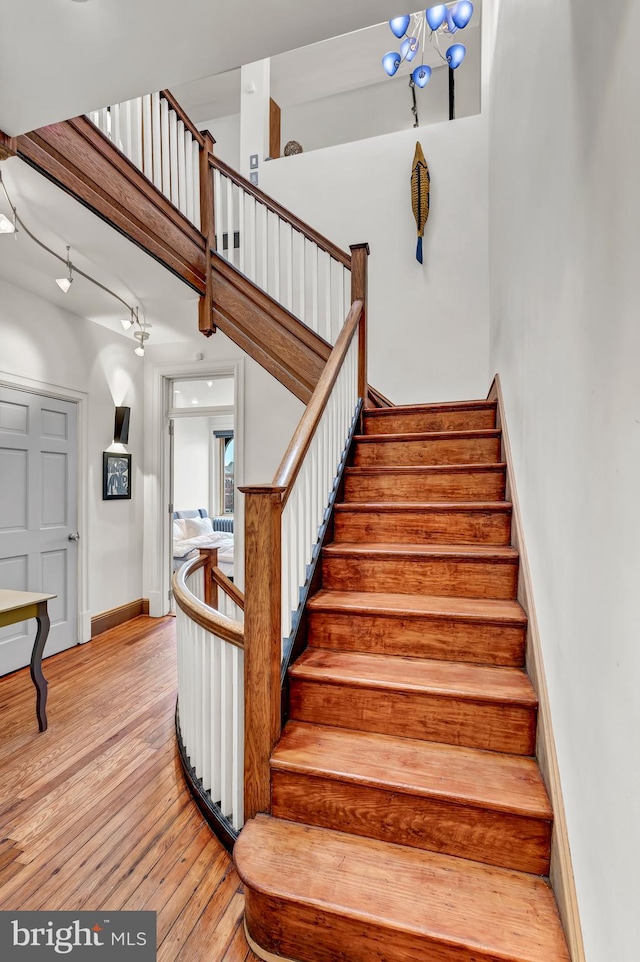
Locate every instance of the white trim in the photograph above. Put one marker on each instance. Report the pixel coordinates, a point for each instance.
(47, 389)
(156, 574)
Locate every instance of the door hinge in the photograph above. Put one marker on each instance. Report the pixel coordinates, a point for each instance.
(171, 423)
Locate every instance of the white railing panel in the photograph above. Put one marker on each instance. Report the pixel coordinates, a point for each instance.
(211, 703)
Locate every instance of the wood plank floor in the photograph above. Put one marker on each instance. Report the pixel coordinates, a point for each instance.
(94, 813)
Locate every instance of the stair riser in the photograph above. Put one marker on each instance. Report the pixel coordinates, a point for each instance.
(435, 717)
(434, 486)
(436, 451)
(424, 527)
(309, 934)
(430, 576)
(496, 838)
(418, 637)
(421, 422)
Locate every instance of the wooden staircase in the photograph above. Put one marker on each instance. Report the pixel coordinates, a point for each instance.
(409, 820)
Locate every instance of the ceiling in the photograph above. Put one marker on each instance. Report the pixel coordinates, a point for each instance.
(85, 55)
(317, 70)
(64, 58)
(98, 250)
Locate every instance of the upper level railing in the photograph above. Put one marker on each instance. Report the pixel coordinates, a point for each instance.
(156, 135)
(299, 268)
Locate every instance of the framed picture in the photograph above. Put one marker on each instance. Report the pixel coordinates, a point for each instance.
(116, 476)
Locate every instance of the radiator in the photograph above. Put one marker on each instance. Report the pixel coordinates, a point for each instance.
(222, 524)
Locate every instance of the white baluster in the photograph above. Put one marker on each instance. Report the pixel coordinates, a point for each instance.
(195, 166)
(314, 287)
(125, 128)
(173, 157)
(166, 147)
(155, 141)
(135, 110)
(237, 750)
(115, 126)
(230, 232)
(181, 203)
(241, 232)
(147, 136)
(188, 163)
(217, 207)
(301, 277)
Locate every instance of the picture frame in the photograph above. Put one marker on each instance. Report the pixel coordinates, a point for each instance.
(116, 476)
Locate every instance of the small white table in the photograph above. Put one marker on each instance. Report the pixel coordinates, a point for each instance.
(18, 606)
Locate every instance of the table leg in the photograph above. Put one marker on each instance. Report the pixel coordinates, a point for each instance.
(36, 665)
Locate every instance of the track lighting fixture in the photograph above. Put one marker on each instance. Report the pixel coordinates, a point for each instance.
(8, 226)
(64, 283)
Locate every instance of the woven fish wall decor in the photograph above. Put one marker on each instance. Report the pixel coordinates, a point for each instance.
(420, 181)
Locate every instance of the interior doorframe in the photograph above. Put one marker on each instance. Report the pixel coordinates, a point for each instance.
(156, 573)
(81, 398)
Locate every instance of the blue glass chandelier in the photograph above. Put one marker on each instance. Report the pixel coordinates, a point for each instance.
(432, 24)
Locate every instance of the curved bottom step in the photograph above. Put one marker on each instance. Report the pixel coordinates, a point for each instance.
(318, 895)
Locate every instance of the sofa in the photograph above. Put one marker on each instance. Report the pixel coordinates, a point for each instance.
(194, 529)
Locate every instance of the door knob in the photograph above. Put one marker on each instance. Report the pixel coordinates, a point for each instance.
(74, 537)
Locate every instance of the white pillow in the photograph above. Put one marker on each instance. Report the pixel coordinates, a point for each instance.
(178, 529)
(197, 526)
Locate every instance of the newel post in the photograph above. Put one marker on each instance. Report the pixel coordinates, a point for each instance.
(262, 641)
(359, 272)
(207, 226)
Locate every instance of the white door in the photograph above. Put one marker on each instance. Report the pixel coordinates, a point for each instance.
(38, 516)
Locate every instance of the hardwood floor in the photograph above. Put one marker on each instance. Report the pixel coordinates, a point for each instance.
(94, 813)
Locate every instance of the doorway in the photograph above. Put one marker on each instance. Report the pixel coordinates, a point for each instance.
(201, 460)
(38, 516)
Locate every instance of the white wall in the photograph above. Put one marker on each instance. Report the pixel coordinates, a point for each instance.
(429, 324)
(40, 342)
(226, 133)
(192, 463)
(382, 108)
(565, 336)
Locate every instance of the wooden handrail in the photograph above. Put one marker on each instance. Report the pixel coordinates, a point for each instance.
(231, 590)
(322, 242)
(212, 621)
(191, 127)
(303, 435)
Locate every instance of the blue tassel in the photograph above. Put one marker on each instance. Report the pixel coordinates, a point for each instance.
(419, 250)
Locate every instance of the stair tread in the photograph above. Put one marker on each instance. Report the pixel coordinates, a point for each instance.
(413, 506)
(484, 683)
(469, 776)
(421, 469)
(471, 609)
(500, 912)
(427, 436)
(431, 408)
(384, 549)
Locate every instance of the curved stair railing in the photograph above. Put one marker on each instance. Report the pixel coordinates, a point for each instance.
(234, 649)
(210, 709)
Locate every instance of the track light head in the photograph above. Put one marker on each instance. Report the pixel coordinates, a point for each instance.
(64, 283)
(141, 337)
(7, 226)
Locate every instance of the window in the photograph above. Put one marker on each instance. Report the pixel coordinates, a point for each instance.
(226, 461)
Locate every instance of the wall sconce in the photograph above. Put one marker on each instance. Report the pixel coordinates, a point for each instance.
(121, 426)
